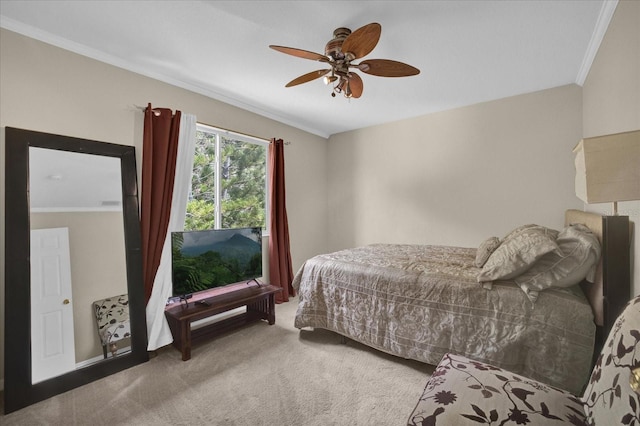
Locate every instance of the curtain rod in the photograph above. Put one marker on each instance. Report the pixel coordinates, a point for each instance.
(225, 130)
(144, 108)
(240, 133)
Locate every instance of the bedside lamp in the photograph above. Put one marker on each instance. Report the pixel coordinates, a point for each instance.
(608, 168)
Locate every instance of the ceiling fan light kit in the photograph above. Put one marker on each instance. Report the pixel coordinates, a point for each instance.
(339, 52)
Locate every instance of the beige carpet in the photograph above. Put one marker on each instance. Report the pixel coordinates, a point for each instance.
(257, 375)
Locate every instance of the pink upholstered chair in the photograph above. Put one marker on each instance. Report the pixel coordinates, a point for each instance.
(466, 392)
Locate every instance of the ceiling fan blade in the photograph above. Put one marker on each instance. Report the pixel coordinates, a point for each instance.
(362, 41)
(305, 54)
(307, 77)
(355, 85)
(387, 68)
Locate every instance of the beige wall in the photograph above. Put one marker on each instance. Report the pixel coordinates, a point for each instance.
(48, 89)
(460, 176)
(98, 267)
(611, 95)
(456, 177)
(452, 178)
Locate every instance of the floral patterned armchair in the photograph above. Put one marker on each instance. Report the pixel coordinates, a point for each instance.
(466, 392)
(112, 320)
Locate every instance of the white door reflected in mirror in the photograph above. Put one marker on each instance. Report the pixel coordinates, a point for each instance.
(52, 339)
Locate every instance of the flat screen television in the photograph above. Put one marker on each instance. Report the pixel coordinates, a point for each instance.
(201, 260)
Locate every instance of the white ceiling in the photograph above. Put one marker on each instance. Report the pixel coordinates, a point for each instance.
(467, 51)
(61, 181)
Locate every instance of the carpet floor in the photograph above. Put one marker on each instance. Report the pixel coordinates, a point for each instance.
(256, 375)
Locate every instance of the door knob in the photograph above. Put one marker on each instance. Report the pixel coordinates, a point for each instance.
(66, 302)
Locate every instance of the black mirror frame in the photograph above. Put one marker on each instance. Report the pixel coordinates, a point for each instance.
(19, 392)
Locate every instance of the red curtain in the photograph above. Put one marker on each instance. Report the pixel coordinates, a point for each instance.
(280, 269)
(159, 152)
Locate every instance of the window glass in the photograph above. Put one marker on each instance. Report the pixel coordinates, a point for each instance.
(229, 181)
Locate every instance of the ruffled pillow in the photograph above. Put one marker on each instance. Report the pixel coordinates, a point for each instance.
(576, 259)
(485, 249)
(519, 250)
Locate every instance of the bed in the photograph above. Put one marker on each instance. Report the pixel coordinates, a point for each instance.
(422, 301)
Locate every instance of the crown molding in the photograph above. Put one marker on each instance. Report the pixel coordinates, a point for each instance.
(602, 24)
(80, 49)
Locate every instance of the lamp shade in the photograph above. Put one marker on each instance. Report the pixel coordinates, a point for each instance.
(608, 168)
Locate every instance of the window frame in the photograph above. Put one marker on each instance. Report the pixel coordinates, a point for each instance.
(218, 132)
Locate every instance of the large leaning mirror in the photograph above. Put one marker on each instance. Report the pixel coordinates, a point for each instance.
(74, 301)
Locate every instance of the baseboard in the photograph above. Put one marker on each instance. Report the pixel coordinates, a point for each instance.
(99, 358)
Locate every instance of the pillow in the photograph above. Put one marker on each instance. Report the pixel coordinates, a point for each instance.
(576, 259)
(485, 249)
(518, 230)
(518, 251)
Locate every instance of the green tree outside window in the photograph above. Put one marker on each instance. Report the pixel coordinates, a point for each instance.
(235, 182)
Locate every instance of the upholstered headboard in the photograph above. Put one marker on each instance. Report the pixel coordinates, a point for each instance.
(612, 287)
(593, 291)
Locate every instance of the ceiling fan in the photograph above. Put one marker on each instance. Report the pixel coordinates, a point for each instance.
(340, 52)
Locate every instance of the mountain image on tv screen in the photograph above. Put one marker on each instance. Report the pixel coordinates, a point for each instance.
(206, 259)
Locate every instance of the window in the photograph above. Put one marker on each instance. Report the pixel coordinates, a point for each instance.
(229, 181)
